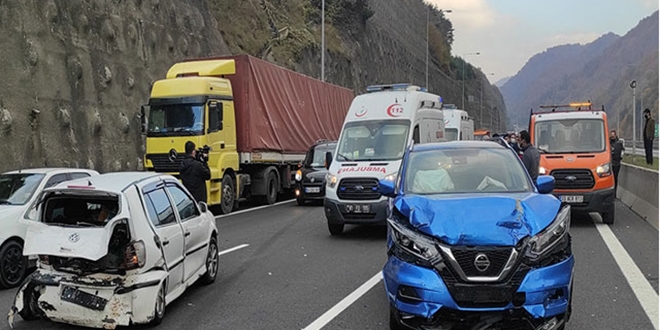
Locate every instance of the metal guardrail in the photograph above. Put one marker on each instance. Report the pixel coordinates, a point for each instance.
(639, 146)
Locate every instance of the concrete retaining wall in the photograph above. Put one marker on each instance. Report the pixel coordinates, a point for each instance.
(638, 188)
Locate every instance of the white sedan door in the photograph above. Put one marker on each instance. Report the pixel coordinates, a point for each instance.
(195, 229)
(170, 234)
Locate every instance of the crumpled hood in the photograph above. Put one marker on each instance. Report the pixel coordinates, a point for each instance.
(89, 243)
(478, 220)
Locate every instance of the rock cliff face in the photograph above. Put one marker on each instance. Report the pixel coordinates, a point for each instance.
(74, 74)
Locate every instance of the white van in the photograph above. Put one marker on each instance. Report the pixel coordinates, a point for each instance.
(458, 124)
(378, 127)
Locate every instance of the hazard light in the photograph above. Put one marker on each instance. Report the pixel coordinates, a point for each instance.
(395, 87)
(579, 104)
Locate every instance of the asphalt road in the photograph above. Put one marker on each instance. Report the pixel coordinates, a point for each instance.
(292, 272)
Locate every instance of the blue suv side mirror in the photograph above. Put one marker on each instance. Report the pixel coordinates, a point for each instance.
(545, 184)
(386, 188)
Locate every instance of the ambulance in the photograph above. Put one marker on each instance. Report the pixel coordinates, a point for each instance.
(379, 126)
(458, 124)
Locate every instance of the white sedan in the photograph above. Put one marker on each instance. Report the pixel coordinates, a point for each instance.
(115, 249)
(18, 191)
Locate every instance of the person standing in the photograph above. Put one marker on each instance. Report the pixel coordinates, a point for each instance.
(649, 135)
(514, 142)
(531, 156)
(616, 146)
(194, 172)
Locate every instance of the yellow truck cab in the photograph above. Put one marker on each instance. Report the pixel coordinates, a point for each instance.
(257, 119)
(575, 149)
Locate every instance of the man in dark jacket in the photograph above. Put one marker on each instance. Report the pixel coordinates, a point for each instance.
(194, 173)
(531, 157)
(649, 135)
(616, 146)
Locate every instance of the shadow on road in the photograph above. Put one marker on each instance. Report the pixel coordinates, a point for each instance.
(355, 232)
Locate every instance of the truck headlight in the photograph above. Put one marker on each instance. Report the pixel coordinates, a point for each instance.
(604, 170)
(331, 180)
(414, 243)
(542, 170)
(298, 175)
(545, 240)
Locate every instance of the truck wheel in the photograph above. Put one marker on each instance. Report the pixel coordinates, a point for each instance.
(608, 217)
(271, 188)
(13, 265)
(227, 195)
(335, 230)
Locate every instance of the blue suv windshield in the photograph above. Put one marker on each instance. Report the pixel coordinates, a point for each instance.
(468, 170)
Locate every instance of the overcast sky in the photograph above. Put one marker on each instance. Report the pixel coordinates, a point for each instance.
(507, 33)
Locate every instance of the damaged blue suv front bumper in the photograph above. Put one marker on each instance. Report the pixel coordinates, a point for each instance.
(529, 295)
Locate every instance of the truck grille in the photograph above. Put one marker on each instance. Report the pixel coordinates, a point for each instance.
(497, 258)
(573, 179)
(482, 295)
(162, 162)
(358, 189)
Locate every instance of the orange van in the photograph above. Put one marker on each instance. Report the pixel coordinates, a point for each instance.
(574, 145)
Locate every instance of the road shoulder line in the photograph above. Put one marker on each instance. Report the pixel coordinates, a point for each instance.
(642, 289)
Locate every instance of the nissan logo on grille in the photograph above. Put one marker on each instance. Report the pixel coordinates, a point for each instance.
(481, 262)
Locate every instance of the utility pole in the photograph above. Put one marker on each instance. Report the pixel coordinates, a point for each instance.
(463, 93)
(428, 13)
(633, 85)
(323, 40)
(481, 99)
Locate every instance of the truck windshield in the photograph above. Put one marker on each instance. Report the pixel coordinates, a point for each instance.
(451, 134)
(176, 120)
(17, 189)
(373, 140)
(570, 136)
(465, 170)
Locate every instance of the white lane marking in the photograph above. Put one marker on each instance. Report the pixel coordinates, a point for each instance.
(640, 286)
(233, 249)
(253, 209)
(342, 305)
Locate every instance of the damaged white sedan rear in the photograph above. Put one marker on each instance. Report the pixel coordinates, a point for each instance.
(114, 250)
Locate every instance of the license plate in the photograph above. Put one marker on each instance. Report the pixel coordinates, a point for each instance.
(313, 190)
(358, 208)
(572, 199)
(82, 298)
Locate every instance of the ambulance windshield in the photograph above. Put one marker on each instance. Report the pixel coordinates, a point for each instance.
(373, 140)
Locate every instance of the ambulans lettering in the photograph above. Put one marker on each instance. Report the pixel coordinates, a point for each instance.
(362, 169)
(395, 110)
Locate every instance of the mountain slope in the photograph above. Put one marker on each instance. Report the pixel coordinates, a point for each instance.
(598, 71)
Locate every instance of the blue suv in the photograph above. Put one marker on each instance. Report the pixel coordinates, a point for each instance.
(473, 243)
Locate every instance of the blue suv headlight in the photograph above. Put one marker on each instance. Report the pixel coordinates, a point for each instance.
(414, 243)
(549, 237)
